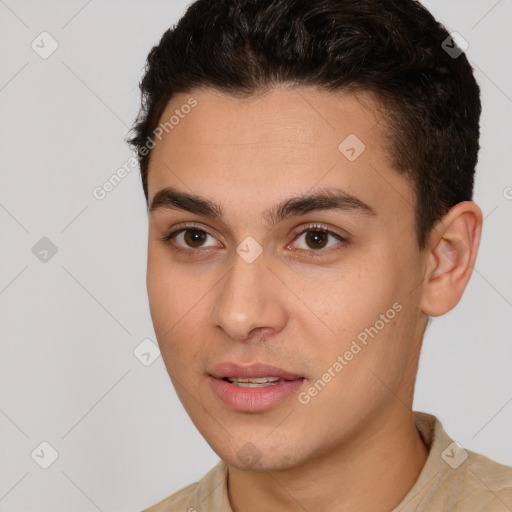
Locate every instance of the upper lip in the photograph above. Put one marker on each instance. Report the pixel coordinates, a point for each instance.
(254, 370)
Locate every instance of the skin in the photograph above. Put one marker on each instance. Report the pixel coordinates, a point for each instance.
(354, 446)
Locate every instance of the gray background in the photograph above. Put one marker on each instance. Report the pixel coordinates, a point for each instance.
(70, 324)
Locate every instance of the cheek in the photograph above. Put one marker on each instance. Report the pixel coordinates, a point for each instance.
(167, 307)
(168, 289)
(362, 313)
(351, 298)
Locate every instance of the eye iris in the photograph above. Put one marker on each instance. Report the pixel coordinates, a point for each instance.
(194, 236)
(318, 237)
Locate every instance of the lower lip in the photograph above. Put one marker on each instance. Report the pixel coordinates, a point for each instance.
(254, 399)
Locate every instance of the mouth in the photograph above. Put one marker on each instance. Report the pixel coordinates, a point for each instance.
(254, 382)
(253, 388)
(257, 373)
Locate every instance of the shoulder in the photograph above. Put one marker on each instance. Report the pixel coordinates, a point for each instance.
(481, 484)
(177, 501)
(470, 482)
(210, 493)
(455, 479)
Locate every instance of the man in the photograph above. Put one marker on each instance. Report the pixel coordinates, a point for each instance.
(308, 168)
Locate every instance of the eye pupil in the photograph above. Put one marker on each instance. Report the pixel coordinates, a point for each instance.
(318, 237)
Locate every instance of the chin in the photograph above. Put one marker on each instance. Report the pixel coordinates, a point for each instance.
(255, 455)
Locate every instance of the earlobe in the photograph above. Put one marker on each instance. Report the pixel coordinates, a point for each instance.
(453, 249)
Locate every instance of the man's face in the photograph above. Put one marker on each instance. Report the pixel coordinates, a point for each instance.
(338, 311)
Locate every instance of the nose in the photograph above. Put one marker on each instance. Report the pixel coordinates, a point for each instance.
(248, 301)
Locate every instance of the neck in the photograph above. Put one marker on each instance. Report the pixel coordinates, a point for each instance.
(372, 472)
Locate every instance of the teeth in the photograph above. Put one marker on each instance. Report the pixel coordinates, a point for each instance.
(254, 382)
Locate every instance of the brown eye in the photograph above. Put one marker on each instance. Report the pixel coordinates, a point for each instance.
(189, 239)
(317, 239)
(194, 237)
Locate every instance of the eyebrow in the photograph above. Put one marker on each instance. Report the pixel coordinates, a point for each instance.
(325, 199)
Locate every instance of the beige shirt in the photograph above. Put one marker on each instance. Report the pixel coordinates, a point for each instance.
(453, 479)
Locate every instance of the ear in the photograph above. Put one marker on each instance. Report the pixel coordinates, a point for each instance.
(453, 247)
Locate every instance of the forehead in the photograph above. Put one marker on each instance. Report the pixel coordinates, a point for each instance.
(284, 115)
(287, 140)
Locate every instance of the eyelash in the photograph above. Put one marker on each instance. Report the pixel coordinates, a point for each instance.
(168, 238)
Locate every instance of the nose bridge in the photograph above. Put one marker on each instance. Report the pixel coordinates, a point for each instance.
(245, 302)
